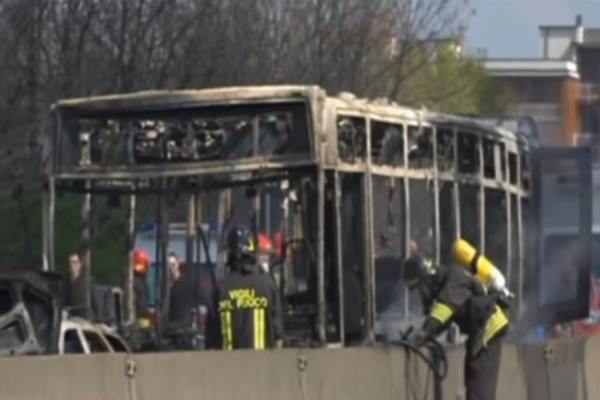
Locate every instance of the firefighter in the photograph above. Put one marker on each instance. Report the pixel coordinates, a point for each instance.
(141, 265)
(454, 293)
(264, 252)
(249, 305)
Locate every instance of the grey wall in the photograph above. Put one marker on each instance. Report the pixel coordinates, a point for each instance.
(559, 370)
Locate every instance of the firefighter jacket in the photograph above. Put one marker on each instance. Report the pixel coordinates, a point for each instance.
(249, 310)
(453, 294)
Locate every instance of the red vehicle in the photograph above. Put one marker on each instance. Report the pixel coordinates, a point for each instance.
(591, 324)
(583, 327)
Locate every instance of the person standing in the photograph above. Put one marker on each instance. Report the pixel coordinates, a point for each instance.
(187, 307)
(454, 294)
(141, 265)
(76, 293)
(249, 303)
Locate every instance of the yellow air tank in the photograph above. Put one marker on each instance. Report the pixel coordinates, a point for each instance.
(467, 257)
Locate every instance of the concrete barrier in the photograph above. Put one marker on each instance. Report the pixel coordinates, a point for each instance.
(557, 370)
(100, 376)
(512, 379)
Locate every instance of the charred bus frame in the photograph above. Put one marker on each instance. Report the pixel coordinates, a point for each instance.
(366, 177)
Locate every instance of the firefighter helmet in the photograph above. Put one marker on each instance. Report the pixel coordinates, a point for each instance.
(240, 244)
(265, 245)
(141, 261)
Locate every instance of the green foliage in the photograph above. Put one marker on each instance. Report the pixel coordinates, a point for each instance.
(61, 49)
(109, 250)
(453, 83)
(67, 228)
(20, 213)
(21, 231)
(14, 250)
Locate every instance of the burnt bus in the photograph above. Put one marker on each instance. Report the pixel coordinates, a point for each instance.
(345, 183)
(30, 311)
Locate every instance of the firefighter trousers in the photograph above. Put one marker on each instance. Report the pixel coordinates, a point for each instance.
(481, 372)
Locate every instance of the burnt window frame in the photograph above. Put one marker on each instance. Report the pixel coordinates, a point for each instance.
(379, 131)
(420, 140)
(490, 154)
(360, 156)
(513, 167)
(446, 160)
(67, 131)
(468, 141)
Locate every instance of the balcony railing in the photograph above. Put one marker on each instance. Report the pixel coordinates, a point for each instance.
(590, 92)
(543, 112)
(591, 139)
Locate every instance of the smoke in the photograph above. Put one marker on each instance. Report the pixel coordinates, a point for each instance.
(554, 261)
(402, 311)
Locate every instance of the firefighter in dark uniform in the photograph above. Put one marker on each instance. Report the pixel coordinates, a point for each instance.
(141, 265)
(249, 304)
(455, 294)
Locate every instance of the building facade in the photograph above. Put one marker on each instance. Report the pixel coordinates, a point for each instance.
(561, 89)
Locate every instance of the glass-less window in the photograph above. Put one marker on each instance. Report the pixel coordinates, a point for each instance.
(96, 344)
(116, 344)
(73, 344)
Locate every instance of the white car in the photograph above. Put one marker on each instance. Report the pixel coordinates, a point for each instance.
(80, 336)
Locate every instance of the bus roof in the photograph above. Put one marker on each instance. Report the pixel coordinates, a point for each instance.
(385, 108)
(165, 99)
(153, 100)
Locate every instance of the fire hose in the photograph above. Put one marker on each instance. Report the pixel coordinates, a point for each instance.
(435, 359)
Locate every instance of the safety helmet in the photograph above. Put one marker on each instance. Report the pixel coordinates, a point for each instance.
(141, 261)
(240, 244)
(264, 243)
(279, 244)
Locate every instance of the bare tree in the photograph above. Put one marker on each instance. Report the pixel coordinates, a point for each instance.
(65, 48)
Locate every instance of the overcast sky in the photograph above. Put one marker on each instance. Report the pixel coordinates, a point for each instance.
(509, 28)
